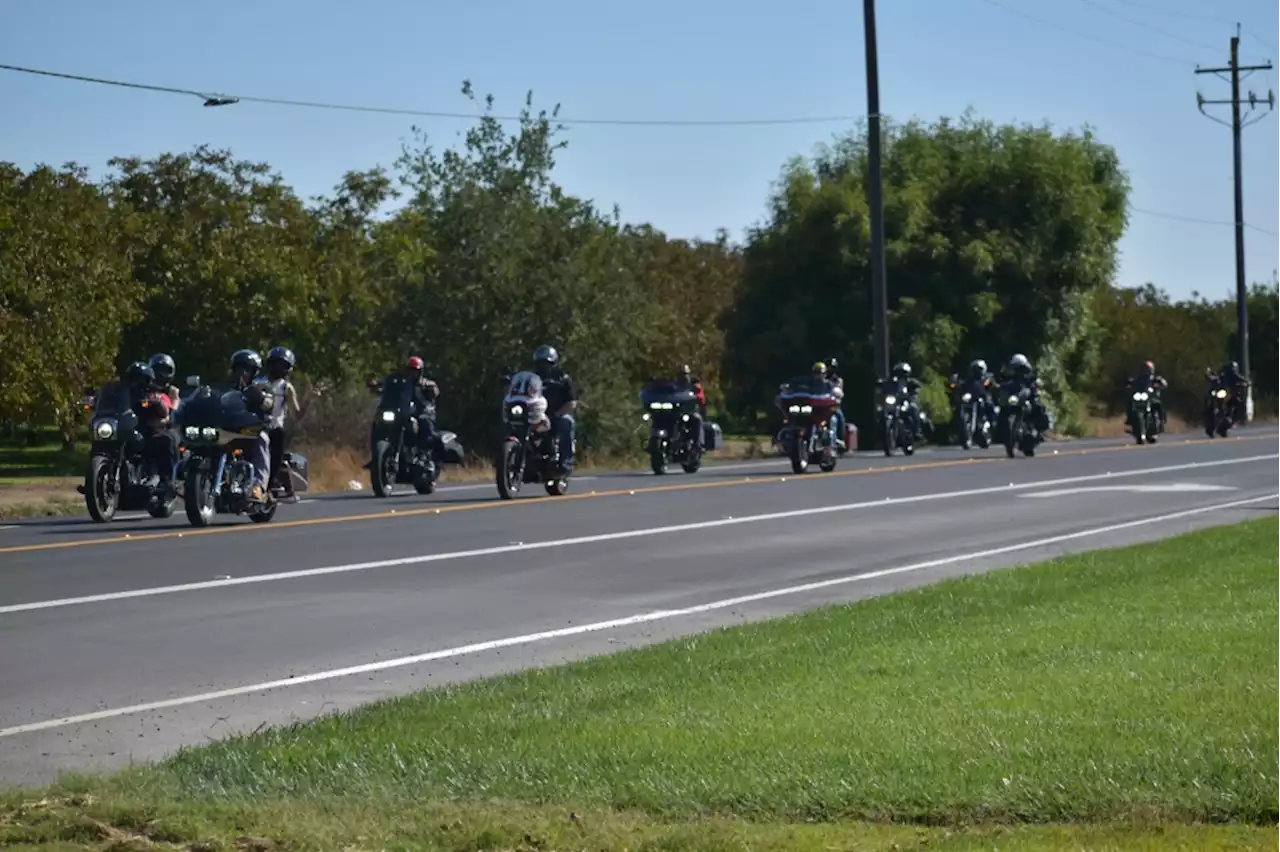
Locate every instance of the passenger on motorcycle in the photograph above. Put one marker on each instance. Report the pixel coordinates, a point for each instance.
(245, 367)
(686, 381)
(1148, 381)
(902, 373)
(153, 407)
(280, 363)
(1020, 377)
(562, 399)
(164, 368)
(837, 417)
(425, 393)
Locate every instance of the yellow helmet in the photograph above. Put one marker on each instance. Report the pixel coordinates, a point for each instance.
(819, 367)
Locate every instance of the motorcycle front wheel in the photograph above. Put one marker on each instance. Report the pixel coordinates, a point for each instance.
(799, 452)
(198, 494)
(510, 469)
(382, 479)
(101, 491)
(1011, 436)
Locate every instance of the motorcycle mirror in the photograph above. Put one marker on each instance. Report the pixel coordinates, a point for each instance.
(371, 383)
(193, 381)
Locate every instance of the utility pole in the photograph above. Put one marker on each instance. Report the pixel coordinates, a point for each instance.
(875, 196)
(1237, 125)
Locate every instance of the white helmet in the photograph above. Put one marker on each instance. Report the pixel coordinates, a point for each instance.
(1020, 362)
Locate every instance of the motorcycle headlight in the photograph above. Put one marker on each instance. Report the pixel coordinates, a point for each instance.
(1139, 395)
(795, 409)
(645, 416)
(517, 410)
(656, 406)
(684, 417)
(1222, 394)
(209, 433)
(890, 400)
(667, 406)
(966, 398)
(191, 433)
(104, 429)
(388, 416)
(1013, 400)
(806, 409)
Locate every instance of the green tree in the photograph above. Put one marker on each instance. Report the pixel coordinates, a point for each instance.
(65, 293)
(1264, 304)
(996, 240)
(224, 253)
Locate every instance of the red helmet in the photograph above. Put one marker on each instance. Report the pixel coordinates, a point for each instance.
(415, 363)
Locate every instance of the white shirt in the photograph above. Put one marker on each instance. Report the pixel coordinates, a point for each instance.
(278, 388)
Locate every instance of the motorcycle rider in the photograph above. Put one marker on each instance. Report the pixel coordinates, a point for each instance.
(901, 374)
(280, 363)
(246, 364)
(163, 366)
(1230, 379)
(1147, 380)
(686, 381)
(153, 407)
(562, 400)
(976, 382)
(837, 417)
(1022, 377)
(425, 393)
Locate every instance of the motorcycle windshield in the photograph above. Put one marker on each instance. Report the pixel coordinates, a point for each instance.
(113, 399)
(1142, 384)
(664, 394)
(396, 393)
(524, 385)
(892, 387)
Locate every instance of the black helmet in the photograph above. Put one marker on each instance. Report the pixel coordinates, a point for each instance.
(282, 353)
(247, 360)
(163, 367)
(546, 354)
(139, 373)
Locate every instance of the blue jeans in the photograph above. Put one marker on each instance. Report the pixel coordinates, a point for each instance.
(258, 453)
(563, 426)
(837, 424)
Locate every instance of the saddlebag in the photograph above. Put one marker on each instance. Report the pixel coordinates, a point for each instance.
(298, 470)
(451, 451)
(712, 437)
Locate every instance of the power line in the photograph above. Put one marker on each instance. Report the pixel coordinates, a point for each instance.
(1198, 221)
(1090, 36)
(223, 99)
(1141, 23)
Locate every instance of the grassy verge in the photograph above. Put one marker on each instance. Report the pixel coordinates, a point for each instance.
(1120, 699)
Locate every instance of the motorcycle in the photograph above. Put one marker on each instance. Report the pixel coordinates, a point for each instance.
(396, 457)
(217, 427)
(1221, 417)
(806, 436)
(1143, 423)
(896, 429)
(530, 451)
(1016, 426)
(120, 476)
(972, 423)
(669, 411)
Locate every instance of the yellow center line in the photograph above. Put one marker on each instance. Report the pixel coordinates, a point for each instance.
(767, 479)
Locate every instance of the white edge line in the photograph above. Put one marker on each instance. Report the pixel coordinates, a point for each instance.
(628, 621)
(601, 537)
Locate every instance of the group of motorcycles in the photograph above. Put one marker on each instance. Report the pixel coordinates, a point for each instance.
(211, 474)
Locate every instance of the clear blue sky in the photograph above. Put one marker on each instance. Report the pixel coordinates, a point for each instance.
(704, 59)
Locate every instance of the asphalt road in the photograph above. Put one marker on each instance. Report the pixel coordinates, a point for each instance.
(124, 642)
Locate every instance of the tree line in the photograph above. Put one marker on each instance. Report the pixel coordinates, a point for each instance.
(1000, 239)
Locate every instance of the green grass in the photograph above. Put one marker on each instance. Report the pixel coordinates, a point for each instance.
(1119, 699)
(24, 465)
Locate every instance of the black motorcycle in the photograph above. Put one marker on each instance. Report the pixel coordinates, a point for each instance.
(530, 451)
(218, 427)
(971, 421)
(1220, 410)
(669, 410)
(893, 412)
(1016, 421)
(1143, 422)
(120, 475)
(396, 458)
